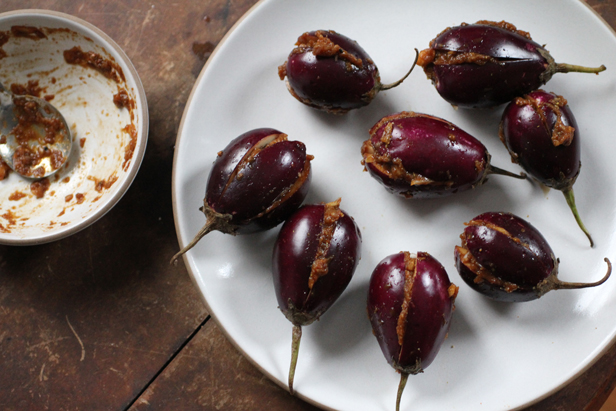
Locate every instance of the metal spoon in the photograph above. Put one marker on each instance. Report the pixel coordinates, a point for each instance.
(34, 146)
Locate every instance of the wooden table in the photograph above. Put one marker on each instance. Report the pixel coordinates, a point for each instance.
(100, 320)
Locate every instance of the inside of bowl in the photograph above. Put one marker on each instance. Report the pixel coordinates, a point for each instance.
(88, 85)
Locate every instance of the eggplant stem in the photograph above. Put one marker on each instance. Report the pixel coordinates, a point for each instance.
(209, 226)
(297, 336)
(562, 285)
(568, 68)
(397, 83)
(502, 172)
(404, 376)
(568, 192)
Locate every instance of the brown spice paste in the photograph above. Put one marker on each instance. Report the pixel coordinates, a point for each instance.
(123, 100)
(387, 133)
(452, 291)
(30, 89)
(100, 185)
(426, 57)
(410, 271)
(16, 196)
(481, 273)
(561, 134)
(4, 170)
(325, 47)
(10, 217)
(39, 187)
(282, 71)
(32, 33)
(4, 38)
(442, 57)
(29, 119)
(393, 168)
(129, 150)
(107, 67)
(320, 264)
(80, 198)
(454, 57)
(28, 115)
(492, 226)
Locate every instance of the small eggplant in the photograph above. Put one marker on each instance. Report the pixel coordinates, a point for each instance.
(421, 156)
(410, 303)
(315, 256)
(487, 64)
(507, 259)
(256, 182)
(541, 134)
(330, 72)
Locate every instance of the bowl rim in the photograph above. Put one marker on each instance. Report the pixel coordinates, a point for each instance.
(142, 127)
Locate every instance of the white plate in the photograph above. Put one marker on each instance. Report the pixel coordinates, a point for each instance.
(497, 356)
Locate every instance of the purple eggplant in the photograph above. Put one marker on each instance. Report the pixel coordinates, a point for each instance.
(507, 259)
(410, 303)
(487, 64)
(330, 72)
(315, 256)
(256, 182)
(421, 156)
(541, 134)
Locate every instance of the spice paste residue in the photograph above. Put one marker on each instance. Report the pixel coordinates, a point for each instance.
(31, 88)
(129, 150)
(123, 100)
(4, 38)
(32, 33)
(34, 127)
(39, 187)
(4, 170)
(106, 66)
(36, 85)
(100, 185)
(16, 196)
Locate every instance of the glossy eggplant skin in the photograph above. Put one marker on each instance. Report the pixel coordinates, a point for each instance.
(504, 257)
(429, 312)
(250, 190)
(330, 82)
(293, 261)
(421, 156)
(541, 134)
(507, 64)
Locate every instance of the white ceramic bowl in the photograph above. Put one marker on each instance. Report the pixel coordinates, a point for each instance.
(109, 139)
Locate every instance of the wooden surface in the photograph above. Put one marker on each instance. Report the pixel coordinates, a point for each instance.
(100, 320)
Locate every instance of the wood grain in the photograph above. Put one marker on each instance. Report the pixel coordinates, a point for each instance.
(100, 320)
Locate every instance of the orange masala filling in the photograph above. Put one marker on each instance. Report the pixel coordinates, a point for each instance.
(320, 264)
(410, 271)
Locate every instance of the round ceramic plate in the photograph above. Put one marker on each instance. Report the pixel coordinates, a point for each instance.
(498, 356)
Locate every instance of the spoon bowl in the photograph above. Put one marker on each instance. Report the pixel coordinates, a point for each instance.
(35, 140)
